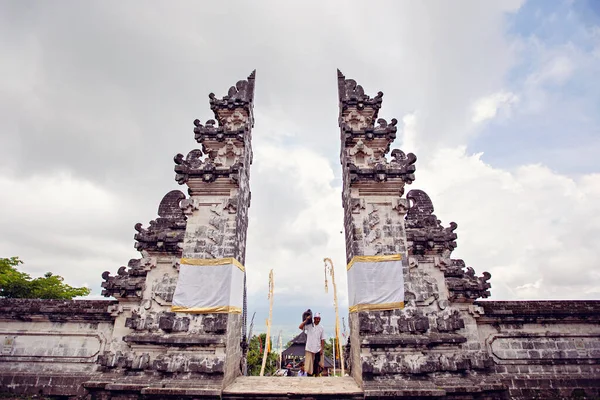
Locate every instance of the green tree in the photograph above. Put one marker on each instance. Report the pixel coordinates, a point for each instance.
(255, 355)
(329, 348)
(19, 285)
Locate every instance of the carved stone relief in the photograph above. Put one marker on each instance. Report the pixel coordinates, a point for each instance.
(235, 121)
(162, 290)
(356, 121)
(228, 155)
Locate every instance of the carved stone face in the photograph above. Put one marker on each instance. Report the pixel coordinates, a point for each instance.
(235, 121)
(228, 155)
(356, 121)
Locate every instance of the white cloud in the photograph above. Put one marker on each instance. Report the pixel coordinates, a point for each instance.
(293, 241)
(557, 70)
(69, 216)
(488, 107)
(533, 229)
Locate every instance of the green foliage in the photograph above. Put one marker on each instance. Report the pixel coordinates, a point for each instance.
(329, 348)
(19, 285)
(255, 356)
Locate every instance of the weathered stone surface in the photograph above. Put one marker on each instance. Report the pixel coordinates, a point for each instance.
(252, 387)
(463, 284)
(353, 95)
(424, 231)
(56, 310)
(165, 233)
(540, 311)
(129, 281)
(175, 340)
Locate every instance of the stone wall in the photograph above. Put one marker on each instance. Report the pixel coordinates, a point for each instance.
(51, 347)
(543, 349)
(158, 352)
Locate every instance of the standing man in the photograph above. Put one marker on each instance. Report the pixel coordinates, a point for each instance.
(315, 345)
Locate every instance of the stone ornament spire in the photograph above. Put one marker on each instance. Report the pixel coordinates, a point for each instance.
(373, 209)
(218, 177)
(410, 303)
(193, 236)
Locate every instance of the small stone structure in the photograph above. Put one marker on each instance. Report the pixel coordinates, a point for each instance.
(441, 342)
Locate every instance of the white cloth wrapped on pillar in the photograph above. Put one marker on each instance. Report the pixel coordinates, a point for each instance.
(375, 283)
(209, 286)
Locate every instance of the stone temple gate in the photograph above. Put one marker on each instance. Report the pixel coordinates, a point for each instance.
(417, 328)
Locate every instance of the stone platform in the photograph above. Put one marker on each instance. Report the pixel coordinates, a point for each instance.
(283, 387)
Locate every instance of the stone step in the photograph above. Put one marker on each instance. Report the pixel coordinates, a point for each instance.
(283, 387)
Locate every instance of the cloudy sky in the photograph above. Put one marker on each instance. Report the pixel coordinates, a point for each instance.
(498, 99)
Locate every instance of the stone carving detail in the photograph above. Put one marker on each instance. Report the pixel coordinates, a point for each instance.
(238, 96)
(377, 230)
(129, 281)
(173, 363)
(163, 290)
(424, 287)
(398, 363)
(424, 231)
(354, 121)
(357, 205)
(382, 171)
(235, 121)
(463, 285)
(232, 130)
(404, 162)
(168, 322)
(360, 147)
(169, 363)
(449, 322)
(413, 321)
(194, 165)
(188, 206)
(228, 155)
(165, 234)
(517, 347)
(215, 239)
(353, 95)
(355, 125)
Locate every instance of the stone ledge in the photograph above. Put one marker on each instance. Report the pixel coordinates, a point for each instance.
(159, 388)
(534, 381)
(587, 311)
(191, 340)
(434, 339)
(266, 387)
(56, 310)
(130, 387)
(418, 393)
(36, 383)
(182, 391)
(462, 387)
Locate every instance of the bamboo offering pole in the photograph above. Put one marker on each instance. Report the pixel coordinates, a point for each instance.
(337, 316)
(268, 338)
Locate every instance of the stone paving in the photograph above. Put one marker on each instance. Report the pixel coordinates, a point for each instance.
(283, 386)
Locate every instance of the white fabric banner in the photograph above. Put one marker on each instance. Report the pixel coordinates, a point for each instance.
(375, 285)
(209, 286)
